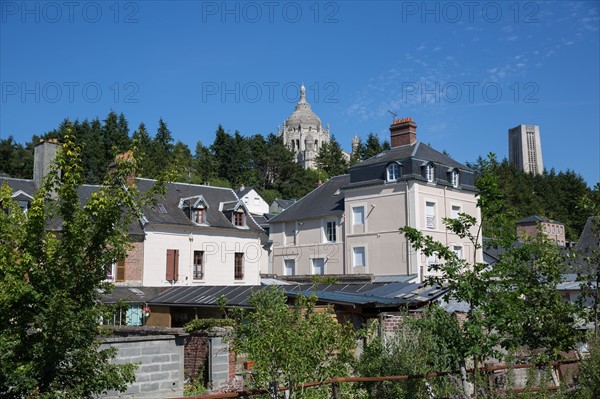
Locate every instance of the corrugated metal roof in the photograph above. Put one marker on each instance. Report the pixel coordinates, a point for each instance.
(376, 294)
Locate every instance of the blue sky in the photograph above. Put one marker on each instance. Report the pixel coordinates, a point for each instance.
(464, 71)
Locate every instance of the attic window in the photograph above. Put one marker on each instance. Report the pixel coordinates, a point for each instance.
(160, 208)
(430, 172)
(393, 172)
(200, 215)
(454, 178)
(239, 219)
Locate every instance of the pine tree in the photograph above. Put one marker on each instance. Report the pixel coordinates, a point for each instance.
(331, 158)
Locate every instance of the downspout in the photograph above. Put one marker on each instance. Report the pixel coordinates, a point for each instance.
(407, 218)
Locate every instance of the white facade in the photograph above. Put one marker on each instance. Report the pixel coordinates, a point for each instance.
(255, 204)
(219, 252)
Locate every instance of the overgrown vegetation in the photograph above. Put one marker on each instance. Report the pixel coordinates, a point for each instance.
(290, 346)
(53, 262)
(207, 324)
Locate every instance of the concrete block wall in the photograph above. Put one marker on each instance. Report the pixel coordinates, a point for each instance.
(160, 358)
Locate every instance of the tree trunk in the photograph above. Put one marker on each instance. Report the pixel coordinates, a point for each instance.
(465, 379)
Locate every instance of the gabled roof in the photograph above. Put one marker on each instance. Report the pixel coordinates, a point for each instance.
(284, 204)
(325, 200)
(242, 193)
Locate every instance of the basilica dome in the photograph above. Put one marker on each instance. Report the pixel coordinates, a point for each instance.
(303, 117)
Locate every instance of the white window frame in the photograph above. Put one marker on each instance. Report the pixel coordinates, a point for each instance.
(430, 220)
(458, 250)
(364, 256)
(354, 214)
(430, 172)
(312, 266)
(326, 235)
(285, 267)
(454, 214)
(454, 178)
(392, 172)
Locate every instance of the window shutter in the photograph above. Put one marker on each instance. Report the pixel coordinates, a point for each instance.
(120, 270)
(172, 265)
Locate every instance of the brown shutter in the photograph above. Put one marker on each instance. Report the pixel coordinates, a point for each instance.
(176, 265)
(170, 276)
(120, 270)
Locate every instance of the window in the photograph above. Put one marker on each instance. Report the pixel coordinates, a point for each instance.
(24, 205)
(455, 211)
(330, 232)
(454, 178)
(120, 270)
(431, 260)
(289, 267)
(239, 266)
(457, 249)
(172, 272)
(238, 218)
(358, 256)
(358, 215)
(430, 172)
(199, 216)
(318, 266)
(393, 172)
(160, 208)
(198, 265)
(430, 215)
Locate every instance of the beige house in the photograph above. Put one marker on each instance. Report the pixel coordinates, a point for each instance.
(531, 226)
(411, 184)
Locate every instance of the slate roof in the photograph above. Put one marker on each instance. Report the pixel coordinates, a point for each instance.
(322, 201)
(378, 295)
(173, 215)
(241, 193)
(412, 158)
(417, 150)
(537, 219)
(214, 197)
(284, 204)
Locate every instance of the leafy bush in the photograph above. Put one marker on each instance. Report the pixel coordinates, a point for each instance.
(207, 324)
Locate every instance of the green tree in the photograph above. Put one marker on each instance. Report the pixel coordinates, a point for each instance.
(143, 141)
(50, 280)
(515, 302)
(331, 159)
(292, 346)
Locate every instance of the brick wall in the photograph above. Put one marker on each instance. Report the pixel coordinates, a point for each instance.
(196, 357)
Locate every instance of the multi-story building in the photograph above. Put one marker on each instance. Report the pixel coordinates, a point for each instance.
(350, 224)
(195, 235)
(533, 225)
(525, 148)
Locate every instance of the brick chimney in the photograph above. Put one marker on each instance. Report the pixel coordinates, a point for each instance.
(403, 132)
(124, 156)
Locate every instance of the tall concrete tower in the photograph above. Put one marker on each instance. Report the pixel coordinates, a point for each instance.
(525, 148)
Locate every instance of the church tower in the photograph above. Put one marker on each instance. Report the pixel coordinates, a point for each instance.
(303, 133)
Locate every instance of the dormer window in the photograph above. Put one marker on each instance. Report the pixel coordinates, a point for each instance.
(454, 178)
(239, 219)
(200, 215)
(430, 172)
(393, 172)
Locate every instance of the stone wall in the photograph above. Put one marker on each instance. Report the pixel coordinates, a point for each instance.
(160, 358)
